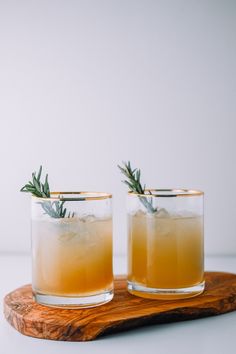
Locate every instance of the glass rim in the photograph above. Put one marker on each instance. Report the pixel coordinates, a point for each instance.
(180, 192)
(82, 196)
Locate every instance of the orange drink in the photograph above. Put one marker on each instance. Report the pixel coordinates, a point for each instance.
(72, 256)
(166, 250)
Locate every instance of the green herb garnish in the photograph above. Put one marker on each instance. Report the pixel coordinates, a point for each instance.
(135, 186)
(39, 189)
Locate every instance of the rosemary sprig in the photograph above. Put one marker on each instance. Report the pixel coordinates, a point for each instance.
(39, 189)
(135, 186)
(36, 187)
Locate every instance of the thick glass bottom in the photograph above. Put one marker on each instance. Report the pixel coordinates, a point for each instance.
(165, 294)
(73, 302)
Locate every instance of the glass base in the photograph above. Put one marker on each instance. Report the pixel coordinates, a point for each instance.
(73, 302)
(165, 294)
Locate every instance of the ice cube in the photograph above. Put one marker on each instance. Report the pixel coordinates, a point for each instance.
(67, 236)
(162, 213)
(138, 213)
(88, 218)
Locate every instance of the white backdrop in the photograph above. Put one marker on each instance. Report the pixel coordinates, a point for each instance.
(87, 84)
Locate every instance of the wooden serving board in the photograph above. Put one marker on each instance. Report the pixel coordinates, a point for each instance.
(124, 312)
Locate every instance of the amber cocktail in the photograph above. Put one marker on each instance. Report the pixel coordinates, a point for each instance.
(72, 256)
(165, 247)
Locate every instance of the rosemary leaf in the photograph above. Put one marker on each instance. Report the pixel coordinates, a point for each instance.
(135, 186)
(54, 209)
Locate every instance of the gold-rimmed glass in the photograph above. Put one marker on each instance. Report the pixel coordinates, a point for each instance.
(72, 255)
(165, 243)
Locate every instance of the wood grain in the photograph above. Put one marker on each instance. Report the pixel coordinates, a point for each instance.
(124, 312)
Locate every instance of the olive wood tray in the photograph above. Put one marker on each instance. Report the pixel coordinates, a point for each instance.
(124, 312)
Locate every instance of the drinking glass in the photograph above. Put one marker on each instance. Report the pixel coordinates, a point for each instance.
(72, 249)
(165, 243)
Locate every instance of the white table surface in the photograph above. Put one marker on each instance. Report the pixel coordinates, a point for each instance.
(208, 335)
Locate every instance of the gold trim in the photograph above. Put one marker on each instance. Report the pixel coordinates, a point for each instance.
(169, 193)
(94, 196)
